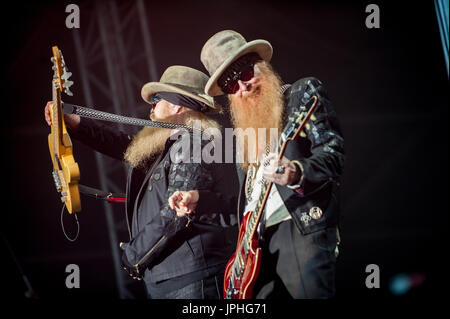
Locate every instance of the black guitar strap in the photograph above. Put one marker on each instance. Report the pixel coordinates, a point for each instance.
(110, 117)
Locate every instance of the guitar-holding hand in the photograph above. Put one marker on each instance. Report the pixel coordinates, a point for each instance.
(72, 120)
(282, 172)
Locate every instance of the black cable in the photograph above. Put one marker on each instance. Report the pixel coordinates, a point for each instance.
(63, 229)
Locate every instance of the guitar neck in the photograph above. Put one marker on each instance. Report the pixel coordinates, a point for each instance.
(56, 114)
(267, 186)
(259, 208)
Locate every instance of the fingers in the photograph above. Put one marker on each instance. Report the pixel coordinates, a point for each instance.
(272, 173)
(183, 202)
(177, 202)
(271, 163)
(271, 156)
(174, 199)
(180, 199)
(47, 113)
(183, 210)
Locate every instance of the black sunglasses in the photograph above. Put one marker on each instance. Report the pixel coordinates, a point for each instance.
(242, 69)
(231, 85)
(153, 100)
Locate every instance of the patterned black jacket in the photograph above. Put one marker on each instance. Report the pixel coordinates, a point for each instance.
(321, 155)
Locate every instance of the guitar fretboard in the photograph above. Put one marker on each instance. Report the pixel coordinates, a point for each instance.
(252, 225)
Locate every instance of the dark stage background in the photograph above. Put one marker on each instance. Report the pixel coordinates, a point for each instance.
(389, 87)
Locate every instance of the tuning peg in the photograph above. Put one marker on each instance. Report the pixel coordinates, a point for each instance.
(66, 75)
(300, 118)
(68, 92)
(52, 59)
(67, 84)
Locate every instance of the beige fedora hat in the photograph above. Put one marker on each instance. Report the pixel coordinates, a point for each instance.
(182, 80)
(225, 47)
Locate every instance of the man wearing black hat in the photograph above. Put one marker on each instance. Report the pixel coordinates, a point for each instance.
(298, 233)
(179, 256)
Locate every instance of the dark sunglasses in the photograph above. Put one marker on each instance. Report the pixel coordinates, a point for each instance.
(242, 69)
(231, 84)
(153, 100)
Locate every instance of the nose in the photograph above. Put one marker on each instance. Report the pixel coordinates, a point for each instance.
(244, 86)
(152, 111)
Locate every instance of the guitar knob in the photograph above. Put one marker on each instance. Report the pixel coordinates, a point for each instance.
(66, 74)
(68, 92)
(67, 84)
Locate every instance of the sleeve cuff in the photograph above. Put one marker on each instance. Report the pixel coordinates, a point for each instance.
(299, 184)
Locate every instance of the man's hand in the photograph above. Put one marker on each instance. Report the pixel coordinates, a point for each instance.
(282, 172)
(72, 120)
(184, 202)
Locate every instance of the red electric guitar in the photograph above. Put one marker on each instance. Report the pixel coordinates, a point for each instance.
(243, 267)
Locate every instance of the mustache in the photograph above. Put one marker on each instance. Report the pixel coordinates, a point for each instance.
(255, 91)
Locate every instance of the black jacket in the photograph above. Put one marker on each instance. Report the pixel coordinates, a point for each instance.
(161, 242)
(321, 155)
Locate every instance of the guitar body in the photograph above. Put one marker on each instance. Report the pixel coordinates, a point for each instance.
(69, 175)
(66, 172)
(237, 286)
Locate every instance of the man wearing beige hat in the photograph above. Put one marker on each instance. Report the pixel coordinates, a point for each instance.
(298, 233)
(176, 254)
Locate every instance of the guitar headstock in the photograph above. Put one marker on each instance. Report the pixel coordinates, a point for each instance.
(296, 119)
(61, 74)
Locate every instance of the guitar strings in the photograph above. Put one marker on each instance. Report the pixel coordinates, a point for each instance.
(64, 230)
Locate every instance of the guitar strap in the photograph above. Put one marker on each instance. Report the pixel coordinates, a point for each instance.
(104, 116)
(109, 117)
